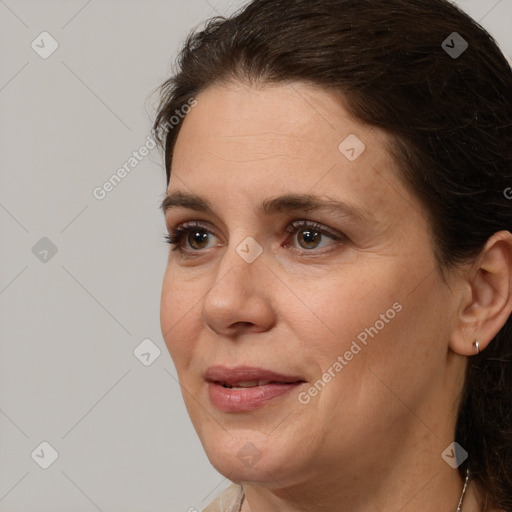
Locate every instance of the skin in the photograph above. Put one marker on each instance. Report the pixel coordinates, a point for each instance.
(372, 439)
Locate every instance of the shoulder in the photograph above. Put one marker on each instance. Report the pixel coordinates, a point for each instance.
(229, 501)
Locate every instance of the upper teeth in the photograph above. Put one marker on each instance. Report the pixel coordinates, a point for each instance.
(250, 383)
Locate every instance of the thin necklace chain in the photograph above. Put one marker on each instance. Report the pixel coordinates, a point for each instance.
(459, 508)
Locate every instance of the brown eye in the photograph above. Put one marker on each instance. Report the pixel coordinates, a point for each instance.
(309, 238)
(197, 238)
(190, 237)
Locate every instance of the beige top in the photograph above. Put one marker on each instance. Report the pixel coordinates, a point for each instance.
(229, 501)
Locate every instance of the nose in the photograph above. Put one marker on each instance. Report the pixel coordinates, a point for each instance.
(239, 297)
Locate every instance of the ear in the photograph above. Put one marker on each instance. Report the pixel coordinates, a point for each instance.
(486, 301)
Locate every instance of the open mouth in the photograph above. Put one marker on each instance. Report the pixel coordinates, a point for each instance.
(254, 383)
(246, 388)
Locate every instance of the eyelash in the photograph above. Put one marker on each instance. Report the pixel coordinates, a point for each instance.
(176, 236)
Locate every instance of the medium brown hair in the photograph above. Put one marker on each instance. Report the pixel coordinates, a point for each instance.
(450, 119)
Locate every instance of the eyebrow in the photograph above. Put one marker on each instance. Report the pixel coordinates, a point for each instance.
(280, 204)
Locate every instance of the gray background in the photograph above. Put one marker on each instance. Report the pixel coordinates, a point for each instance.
(70, 321)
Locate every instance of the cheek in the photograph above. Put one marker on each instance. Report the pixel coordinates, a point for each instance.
(391, 352)
(179, 306)
(373, 323)
(341, 309)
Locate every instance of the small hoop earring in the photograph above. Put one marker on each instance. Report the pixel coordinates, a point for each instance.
(477, 346)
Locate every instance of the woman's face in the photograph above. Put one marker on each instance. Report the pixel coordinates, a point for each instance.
(305, 257)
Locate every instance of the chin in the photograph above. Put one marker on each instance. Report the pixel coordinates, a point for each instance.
(249, 456)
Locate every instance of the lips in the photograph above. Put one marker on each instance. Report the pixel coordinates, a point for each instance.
(245, 388)
(247, 377)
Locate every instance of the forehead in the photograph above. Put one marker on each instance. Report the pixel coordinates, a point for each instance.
(251, 143)
(291, 116)
(291, 122)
